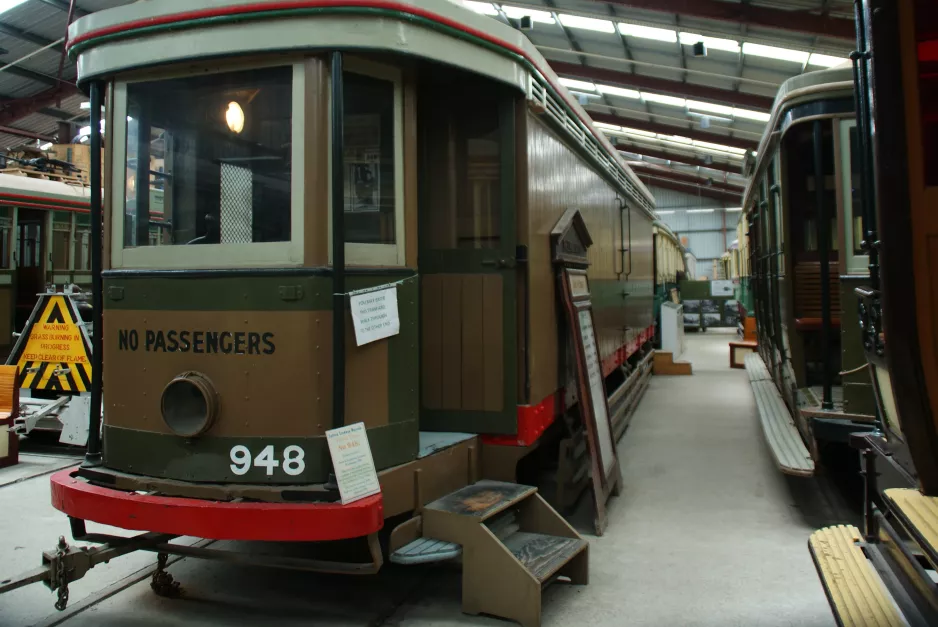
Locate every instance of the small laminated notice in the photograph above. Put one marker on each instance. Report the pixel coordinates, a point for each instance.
(354, 466)
(374, 314)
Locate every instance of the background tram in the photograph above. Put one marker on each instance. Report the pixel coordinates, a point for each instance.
(803, 210)
(45, 235)
(282, 174)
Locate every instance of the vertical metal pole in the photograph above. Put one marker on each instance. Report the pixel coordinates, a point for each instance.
(865, 136)
(338, 243)
(93, 453)
(824, 242)
(870, 489)
(142, 234)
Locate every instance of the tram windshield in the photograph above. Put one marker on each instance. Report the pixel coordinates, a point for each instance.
(208, 159)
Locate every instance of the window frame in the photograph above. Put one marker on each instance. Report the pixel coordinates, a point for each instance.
(383, 255)
(855, 264)
(211, 256)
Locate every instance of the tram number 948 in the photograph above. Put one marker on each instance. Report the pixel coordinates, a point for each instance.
(292, 464)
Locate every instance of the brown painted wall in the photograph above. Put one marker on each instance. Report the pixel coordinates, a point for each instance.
(558, 178)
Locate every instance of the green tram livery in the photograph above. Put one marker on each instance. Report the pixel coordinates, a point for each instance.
(306, 151)
(805, 257)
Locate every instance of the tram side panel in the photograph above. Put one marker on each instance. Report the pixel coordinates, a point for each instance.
(557, 180)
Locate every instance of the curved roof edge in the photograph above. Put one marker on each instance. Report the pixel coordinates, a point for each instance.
(90, 36)
(808, 87)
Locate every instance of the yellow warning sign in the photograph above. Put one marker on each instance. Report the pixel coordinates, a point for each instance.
(56, 355)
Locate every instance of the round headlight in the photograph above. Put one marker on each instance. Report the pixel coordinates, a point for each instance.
(189, 404)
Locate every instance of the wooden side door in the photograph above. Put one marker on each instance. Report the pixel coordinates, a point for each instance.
(466, 259)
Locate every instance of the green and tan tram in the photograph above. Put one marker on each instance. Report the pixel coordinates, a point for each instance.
(802, 211)
(305, 151)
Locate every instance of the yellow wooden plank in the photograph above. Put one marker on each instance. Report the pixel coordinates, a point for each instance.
(856, 594)
(920, 510)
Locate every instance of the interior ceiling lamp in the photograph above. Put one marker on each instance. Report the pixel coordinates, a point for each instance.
(234, 116)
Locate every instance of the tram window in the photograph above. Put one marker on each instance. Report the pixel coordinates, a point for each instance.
(83, 243)
(369, 135)
(209, 158)
(463, 156)
(6, 236)
(926, 23)
(61, 234)
(852, 197)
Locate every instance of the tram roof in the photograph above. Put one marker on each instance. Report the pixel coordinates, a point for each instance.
(156, 33)
(830, 84)
(42, 193)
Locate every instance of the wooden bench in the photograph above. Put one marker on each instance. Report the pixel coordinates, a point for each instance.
(739, 350)
(9, 408)
(807, 293)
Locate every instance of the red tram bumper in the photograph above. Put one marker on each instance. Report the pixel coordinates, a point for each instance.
(215, 520)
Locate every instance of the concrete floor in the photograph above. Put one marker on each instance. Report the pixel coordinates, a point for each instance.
(707, 533)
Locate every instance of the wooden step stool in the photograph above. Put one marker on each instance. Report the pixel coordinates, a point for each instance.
(513, 545)
(664, 364)
(739, 350)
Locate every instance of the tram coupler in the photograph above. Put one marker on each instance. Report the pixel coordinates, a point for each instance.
(162, 582)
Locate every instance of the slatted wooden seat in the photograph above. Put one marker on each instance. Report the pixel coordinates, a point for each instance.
(919, 515)
(814, 324)
(856, 594)
(9, 408)
(807, 294)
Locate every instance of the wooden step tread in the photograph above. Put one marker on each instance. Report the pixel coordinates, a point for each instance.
(482, 499)
(543, 555)
(426, 550)
(755, 368)
(919, 514)
(855, 592)
(781, 434)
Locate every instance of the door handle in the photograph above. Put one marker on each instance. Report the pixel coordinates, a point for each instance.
(499, 263)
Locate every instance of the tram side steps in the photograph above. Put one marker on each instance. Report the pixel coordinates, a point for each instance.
(855, 592)
(513, 545)
(789, 450)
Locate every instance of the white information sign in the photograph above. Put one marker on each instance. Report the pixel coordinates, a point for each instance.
(374, 314)
(598, 396)
(722, 287)
(351, 458)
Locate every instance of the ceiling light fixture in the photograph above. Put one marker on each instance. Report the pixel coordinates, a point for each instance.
(234, 116)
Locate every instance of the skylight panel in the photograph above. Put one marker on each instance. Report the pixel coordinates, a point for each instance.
(713, 43)
(485, 8)
(618, 91)
(517, 13)
(648, 32)
(638, 133)
(746, 114)
(575, 84)
(662, 99)
(586, 23)
(825, 60)
(719, 147)
(6, 5)
(676, 138)
(709, 107)
(771, 52)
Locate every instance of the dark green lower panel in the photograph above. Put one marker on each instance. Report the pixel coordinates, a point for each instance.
(489, 422)
(209, 459)
(837, 430)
